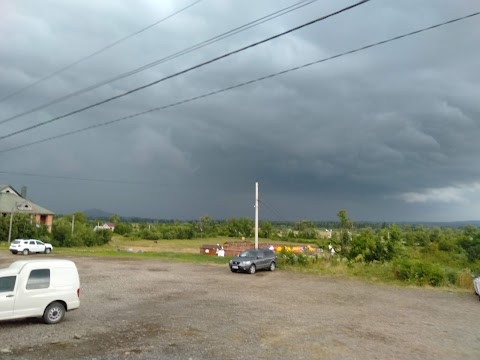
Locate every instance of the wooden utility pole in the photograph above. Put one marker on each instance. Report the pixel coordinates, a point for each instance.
(10, 228)
(256, 215)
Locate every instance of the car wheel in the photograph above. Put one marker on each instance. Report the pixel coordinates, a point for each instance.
(272, 266)
(54, 313)
(252, 269)
(25, 252)
(48, 250)
(14, 252)
(233, 270)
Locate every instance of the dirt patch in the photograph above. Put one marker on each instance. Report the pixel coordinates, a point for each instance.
(149, 309)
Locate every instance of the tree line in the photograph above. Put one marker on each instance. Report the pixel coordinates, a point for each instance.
(364, 242)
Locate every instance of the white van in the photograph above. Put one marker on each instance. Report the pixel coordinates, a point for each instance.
(39, 288)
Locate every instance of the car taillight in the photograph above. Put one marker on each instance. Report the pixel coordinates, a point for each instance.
(78, 292)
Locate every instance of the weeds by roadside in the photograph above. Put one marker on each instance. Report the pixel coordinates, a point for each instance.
(400, 271)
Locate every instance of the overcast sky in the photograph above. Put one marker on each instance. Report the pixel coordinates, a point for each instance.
(389, 134)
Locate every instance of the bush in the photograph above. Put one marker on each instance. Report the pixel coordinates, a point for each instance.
(418, 272)
(149, 235)
(123, 228)
(452, 277)
(464, 279)
(369, 246)
(472, 247)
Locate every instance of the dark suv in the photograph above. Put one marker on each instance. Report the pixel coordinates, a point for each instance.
(253, 260)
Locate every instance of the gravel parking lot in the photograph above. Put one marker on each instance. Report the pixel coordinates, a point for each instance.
(149, 309)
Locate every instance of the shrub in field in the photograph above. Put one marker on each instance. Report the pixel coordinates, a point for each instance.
(303, 259)
(418, 272)
(464, 279)
(471, 245)
(22, 227)
(286, 257)
(372, 246)
(123, 228)
(149, 234)
(82, 235)
(451, 277)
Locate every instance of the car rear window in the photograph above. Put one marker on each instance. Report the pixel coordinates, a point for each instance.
(16, 242)
(39, 279)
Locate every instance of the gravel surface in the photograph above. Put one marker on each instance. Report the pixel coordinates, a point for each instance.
(149, 309)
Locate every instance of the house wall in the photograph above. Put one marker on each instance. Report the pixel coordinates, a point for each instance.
(44, 220)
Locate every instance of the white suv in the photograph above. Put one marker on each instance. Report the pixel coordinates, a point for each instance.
(27, 246)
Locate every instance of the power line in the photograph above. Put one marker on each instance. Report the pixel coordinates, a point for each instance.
(241, 84)
(81, 179)
(56, 72)
(186, 70)
(175, 55)
(271, 210)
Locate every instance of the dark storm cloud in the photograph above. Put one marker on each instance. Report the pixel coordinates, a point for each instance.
(389, 133)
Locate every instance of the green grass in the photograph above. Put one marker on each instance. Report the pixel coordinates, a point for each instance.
(167, 250)
(168, 256)
(188, 251)
(187, 246)
(336, 267)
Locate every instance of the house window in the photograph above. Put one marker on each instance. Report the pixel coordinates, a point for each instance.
(43, 219)
(39, 279)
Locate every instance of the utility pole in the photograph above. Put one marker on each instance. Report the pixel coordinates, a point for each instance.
(73, 222)
(10, 228)
(256, 215)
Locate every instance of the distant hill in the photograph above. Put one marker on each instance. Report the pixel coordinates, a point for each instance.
(451, 224)
(97, 214)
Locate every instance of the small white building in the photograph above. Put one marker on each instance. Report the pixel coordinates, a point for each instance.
(107, 226)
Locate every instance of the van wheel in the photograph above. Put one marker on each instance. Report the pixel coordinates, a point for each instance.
(54, 313)
(252, 269)
(47, 250)
(25, 252)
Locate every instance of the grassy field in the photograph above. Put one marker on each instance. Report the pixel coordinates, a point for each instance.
(189, 251)
(170, 250)
(182, 246)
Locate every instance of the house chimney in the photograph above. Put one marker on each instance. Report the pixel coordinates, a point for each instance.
(23, 192)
